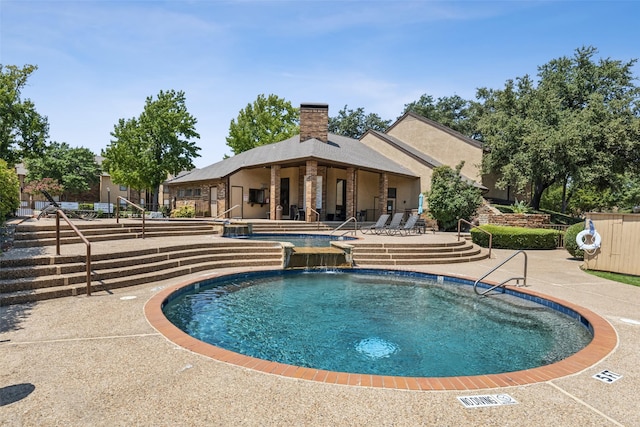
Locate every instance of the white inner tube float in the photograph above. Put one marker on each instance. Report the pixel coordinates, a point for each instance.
(595, 238)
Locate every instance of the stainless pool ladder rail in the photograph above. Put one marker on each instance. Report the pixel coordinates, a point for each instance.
(504, 282)
(355, 227)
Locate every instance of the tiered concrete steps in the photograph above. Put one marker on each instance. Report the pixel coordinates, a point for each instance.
(32, 235)
(44, 277)
(389, 254)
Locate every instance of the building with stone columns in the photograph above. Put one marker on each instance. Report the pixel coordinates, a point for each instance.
(318, 175)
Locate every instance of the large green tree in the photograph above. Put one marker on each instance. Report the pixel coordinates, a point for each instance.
(9, 190)
(145, 150)
(579, 125)
(269, 119)
(354, 123)
(74, 168)
(22, 130)
(454, 112)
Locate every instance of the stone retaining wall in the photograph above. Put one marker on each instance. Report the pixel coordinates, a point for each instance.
(515, 220)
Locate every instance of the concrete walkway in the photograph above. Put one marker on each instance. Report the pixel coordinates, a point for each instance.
(96, 361)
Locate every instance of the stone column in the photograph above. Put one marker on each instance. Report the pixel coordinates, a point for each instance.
(384, 191)
(351, 193)
(310, 188)
(274, 191)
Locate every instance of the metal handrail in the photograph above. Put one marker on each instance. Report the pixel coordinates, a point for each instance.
(355, 230)
(317, 216)
(473, 226)
(517, 279)
(225, 212)
(60, 213)
(132, 204)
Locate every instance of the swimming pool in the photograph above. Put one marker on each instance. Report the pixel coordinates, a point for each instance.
(377, 322)
(299, 240)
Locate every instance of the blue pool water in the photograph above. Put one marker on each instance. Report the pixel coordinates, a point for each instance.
(299, 240)
(372, 322)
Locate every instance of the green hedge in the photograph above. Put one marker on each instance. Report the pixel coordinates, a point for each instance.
(570, 240)
(515, 237)
(184, 212)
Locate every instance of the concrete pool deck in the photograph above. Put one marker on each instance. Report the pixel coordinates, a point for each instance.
(97, 361)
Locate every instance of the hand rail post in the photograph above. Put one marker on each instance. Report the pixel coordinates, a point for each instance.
(60, 213)
(473, 226)
(88, 269)
(355, 222)
(225, 212)
(524, 278)
(317, 216)
(57, 232)
(137, 207)
(117, 212)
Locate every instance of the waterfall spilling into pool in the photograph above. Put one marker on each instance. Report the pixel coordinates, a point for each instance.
(309, 250)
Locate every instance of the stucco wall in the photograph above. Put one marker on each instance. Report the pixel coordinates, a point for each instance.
(440, 145)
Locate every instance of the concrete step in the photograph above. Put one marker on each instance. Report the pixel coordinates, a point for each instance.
(42, 277)
(427, 261)
(64, 290)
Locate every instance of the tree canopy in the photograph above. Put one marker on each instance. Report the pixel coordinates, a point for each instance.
(144, 151)
(452, 111)
(74, 168)
(269, 119)
(9, 190)
(579, 125)
(22, 130)
(354, 123)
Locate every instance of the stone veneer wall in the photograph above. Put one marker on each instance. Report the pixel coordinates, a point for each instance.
(515, 220)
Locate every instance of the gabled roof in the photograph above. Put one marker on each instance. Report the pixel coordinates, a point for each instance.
(417, 154)
(438, 126)
(339, 151)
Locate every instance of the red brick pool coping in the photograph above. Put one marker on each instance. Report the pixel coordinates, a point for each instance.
(604, 342)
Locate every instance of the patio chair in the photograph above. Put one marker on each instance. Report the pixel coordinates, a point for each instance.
(409, 226)
(378, 227)
(395, 224)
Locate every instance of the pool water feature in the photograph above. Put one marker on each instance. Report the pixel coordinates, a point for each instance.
(377, 322)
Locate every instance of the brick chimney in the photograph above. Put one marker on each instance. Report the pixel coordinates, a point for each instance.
(314, 122)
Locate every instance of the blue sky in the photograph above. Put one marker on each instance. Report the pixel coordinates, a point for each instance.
(99, 59)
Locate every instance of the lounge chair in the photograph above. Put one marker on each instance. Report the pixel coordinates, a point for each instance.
(378, 227)
(395, 224)
(408, 227)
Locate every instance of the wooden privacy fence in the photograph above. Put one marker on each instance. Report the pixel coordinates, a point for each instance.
(620, 249)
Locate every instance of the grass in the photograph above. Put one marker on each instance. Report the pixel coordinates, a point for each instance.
(616, 277)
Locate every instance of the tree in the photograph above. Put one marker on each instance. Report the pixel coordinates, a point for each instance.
(9, 190)
(22, 130)
(451, 198)
(50, 185)
(147, 149)
(268, 120)
(74, 168)
(354, 123)
(452, 111)
(580, 125)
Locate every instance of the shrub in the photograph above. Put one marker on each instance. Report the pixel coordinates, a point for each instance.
(451, 198)
(515, 237)
(9, 190)
(184, 212)
(570, 240)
